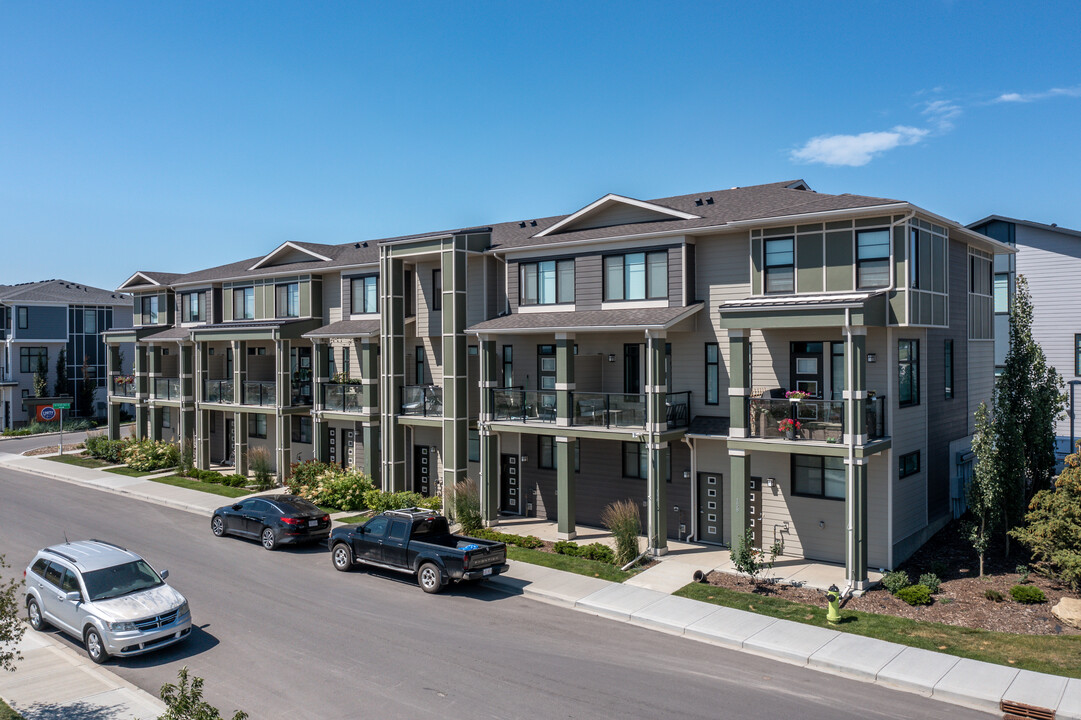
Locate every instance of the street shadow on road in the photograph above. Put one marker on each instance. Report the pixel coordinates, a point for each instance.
(473, 589)
(198, 642)
(79, 710)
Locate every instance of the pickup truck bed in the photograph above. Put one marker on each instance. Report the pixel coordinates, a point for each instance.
(418, 542)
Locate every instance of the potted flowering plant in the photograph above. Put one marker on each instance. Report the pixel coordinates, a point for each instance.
(789, 427)
(796, 395)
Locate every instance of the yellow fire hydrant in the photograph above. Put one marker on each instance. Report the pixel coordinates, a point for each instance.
(833, 615)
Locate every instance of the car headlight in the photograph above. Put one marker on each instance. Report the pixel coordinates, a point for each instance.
(122, 626)
(183, 609)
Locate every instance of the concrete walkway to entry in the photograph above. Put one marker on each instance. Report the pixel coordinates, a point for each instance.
(677, 567)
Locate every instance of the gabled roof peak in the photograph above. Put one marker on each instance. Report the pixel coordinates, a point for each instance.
(591, 215)
(290, 248)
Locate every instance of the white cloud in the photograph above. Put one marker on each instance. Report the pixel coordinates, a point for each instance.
(856, 150)
(942, 113)
(1013, 97)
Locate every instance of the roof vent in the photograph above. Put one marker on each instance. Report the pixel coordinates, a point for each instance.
(698, 202)
(533, 223)
(521, 224)
(356, 245)
(364, 244)
(1054, 224)
(709, 201)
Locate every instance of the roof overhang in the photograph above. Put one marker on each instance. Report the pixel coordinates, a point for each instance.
(785, 311)
(285, 246)
(611, 199)
(146, 282)
(560, 323)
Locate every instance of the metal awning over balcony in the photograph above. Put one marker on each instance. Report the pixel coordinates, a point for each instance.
(817, 310)
(587, 320)
(280, 329)
(346, 329)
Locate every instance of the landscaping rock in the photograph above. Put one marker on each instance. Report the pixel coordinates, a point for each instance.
(1068, 610)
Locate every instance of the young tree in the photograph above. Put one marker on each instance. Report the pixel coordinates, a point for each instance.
(184, 701)
(86, 390)
(61, 387)
(11, 627)
(985, 490)
(1052, 529)
(41, 380)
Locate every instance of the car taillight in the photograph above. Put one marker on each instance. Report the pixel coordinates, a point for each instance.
(325, 518)
(290, 521)
(465, 562)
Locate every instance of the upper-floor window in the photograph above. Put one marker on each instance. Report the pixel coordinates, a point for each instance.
(302, 429)
(979, 277)
(437, 289)
(24, 318)
(90, 322)
(780, 266)
(287, 300)
(365, 294)
(908, 464)
(636, 276)
(244, 303)
(508, 365)
(948, 372)
(872, 258)
(149, 307)
(713, 374)
(33, 359)
(914, 258)
(1077, 355)
(908, 372)
(547, 282)
(191, 307)
(1002, 292)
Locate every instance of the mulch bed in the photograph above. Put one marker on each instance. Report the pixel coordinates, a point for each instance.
(50, 449)
(961, 599)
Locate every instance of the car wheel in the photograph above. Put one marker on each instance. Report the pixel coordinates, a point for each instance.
(429, 578)
(217, 526)
(34, 613)
(269, 541)
(342, 557)
(95, 648)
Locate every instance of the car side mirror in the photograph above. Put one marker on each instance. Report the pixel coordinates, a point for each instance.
(236, 507)
(164, 574)
(75, 596)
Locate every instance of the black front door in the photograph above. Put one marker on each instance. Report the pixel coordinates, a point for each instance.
(509, 497)
(632, 369)
(806, 368)
(710, 508)
(422, 470)
(230, 444)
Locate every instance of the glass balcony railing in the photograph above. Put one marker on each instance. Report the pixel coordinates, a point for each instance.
(618, 410)
(423, 400)
(302, 392)
(342, 397)
(257, 392)
(609, 410)
(524, 405)
(218, 391)
(123, 385)
(821, 420)
(167, 388)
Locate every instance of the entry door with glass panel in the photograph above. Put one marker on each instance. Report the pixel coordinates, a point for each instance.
(710, 507)
(422, 469)
(632, 369)
(509, 485)
(807, 368)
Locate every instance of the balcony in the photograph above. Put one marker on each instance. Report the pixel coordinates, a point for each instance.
(814, 420)
(343, 397)
(166, 388)
(257, 392)
(218, 391)
(607, 410)
(122, 386)
(301, 392)
(524, 405)
(422, 400)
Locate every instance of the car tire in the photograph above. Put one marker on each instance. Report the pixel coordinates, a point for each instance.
(429, 578)
(95, 647)
(33, 611)
(342, 557)
(267, 538)
(217, 526)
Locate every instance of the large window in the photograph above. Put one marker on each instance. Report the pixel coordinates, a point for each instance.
(149, 308)
(636, 276)
(546, 454)
(635, 460)
(33, 358)
(821, 477)
(287, 300)
(547, 283)
(419, 364)
(713, 374)
(948, 361)
(90, 322)
(908, 372)
(244, 303)
(872, 258)
(508, 365)
(1002, 292)
(257, 426)
(437, 289)
(302, 429)
(908, 464)
(24, 317)
(914, 258)
(365, 294)
(780, 266)
(191, 307)
(474, 446)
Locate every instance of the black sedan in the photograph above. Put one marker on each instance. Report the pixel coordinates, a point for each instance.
(273, 520)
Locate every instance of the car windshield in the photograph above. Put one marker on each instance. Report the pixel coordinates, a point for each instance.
(120, 580)
(298, 506)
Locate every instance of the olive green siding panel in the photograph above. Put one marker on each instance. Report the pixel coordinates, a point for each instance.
(809, 263)
(839, 261)
(898, 316)
(780, 231)
(756, 266)
(872, 222)
(899, 254)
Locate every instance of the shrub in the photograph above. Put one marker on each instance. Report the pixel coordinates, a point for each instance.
(939, 568)
(750, 561)
(994, 595)
(380, 501)
(894, 581)
(525, 541)
(566, 547)
(261, 468)
(621, 517)
(1052, 529)
(1027, 594)
(184, 701)
(467, 505)
(306, 473)
(100, 446)
(146, 455)
(236, 481)
(598, 552)
(931, 582)
(915, 595)
(1022, 573)
(187, 458)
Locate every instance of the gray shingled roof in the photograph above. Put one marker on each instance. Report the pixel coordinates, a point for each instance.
(61, 291)
(346, 328)
(637, 318)
(173, 333)
(340, 256)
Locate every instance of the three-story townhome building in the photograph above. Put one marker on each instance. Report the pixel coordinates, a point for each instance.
(768, 360)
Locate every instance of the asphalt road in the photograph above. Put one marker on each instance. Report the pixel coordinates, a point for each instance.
(283, 635)
(21, 443)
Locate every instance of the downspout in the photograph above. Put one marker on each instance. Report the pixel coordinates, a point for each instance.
(850, 378)
(694, 489)
(650, 494)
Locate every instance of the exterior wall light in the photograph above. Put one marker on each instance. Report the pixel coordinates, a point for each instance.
(871, 357)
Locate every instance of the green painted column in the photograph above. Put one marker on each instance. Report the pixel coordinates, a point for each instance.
(283, 434)
(565, 379)
(112, 410)
(187, 374)
(321, 371)
(156, 422)
(240, 370)
(856, 396)
(283, 375)
(369, 433)
(656, 423)
(455, 366)
(856, 521)
(202, 417)
(142, 392)
(240, 441)
(658, 468)
(489, 442)
(368, 361)
(739, 381)
(392, 368)
(321, 439)
(740, 461)
(565, 489)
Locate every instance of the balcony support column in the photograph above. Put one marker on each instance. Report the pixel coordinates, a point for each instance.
(455, 366)
(240, 440)
(112, 369)
(392, 368)
(739, 380)
(112, 412)
(156, 419)
(564, 379)
(141, 392)
(368, 359)
(565, 490)
(740, 463)
(283, 373)
(855, 396)
(202, 417)
(321, 372)
(187, 373)
(657, 422)
(489, 442)
(283, 436)
(240, 370)
(369, 433)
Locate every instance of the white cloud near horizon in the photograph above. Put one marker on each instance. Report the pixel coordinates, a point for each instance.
(856, 150)
(1014, 97)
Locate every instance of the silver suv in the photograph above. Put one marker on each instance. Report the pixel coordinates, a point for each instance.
(107, 596)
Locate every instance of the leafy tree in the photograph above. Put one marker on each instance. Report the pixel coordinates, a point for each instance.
(752, 562)
(986, 489)
(184, 701)
(11, 627)
(61, 387)
(1052, 529)
(86, 390)
(41, 380)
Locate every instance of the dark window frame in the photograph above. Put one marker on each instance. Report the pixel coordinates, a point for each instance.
(473, 443)
(713, 370)
(947, 360)
(788, 269)
(297, 432)
(253, 426)
(437, 289)
(25, 355)
(641, 472)
(995, 295)
(363, 280)
(148, 309)
(418, 365)
(283, 303)
(861, 260)
(913, 363)
(23, 317)
(560, 286)
(186, 307)
(914, 258)
(243, 293)
(650, 293)
(546, 452)
(808, 460)
(908, 464)
(508, 365)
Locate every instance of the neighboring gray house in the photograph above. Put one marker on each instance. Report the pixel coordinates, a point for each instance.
(1050, 257)
(37, 321)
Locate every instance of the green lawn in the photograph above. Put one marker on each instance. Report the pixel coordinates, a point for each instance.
(1056, 654)
(86, 462)
(6, 713)
(133, 473)
(223, 490)
(354, 519)
(580, 566)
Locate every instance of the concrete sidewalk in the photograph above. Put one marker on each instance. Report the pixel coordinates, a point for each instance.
(983, 686)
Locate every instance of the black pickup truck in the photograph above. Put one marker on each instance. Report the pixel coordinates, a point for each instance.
(418, 542)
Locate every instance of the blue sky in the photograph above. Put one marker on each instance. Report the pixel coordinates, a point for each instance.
(174, 136)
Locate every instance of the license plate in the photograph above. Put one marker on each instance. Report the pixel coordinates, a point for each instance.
(486, 571)
(313, 523)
